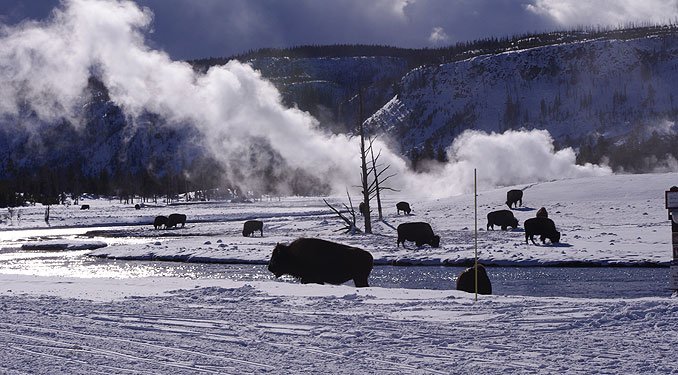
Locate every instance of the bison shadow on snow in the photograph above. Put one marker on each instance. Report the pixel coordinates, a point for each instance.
(523, 209)
(312, 260)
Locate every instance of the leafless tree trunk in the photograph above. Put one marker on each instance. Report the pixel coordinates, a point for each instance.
(377, 184)
(363, 167)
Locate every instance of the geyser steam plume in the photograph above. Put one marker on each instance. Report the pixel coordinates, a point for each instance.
(46, 66)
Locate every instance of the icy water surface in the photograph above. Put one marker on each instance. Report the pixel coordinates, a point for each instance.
(596, 282)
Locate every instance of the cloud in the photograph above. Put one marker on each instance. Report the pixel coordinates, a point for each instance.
(571, 13)
(438, 36)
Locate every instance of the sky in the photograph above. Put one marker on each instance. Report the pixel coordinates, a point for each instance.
(190, 29)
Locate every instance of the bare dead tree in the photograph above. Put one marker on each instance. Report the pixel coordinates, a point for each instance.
(364, 173)
(350, 226)
(377, 185)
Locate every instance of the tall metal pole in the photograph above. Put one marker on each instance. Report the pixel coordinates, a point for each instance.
(475, 205)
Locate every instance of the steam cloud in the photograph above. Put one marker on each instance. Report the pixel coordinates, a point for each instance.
(46, 66)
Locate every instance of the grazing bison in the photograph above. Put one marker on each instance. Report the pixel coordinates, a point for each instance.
(514, 197)
(502, 218)
(252, 226)
(313, 260)
(174, 219)
(84, 207)
(420, 233)
(362, 207)
(137, 207)
(542, 212)
(467, 281)
(542, 226)
(160, 221)
(404, 207)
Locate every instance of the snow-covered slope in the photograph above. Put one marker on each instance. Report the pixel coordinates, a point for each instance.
(620, 89)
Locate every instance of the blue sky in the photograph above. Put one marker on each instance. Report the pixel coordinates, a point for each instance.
(189, 29)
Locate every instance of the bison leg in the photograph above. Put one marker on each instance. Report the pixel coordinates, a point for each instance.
(503, 227)
(490, 226)
(360, 281)
(262, 232)
(308, 280)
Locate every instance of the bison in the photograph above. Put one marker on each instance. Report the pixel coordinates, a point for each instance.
(362, 207)
(404, 207)
(312, 260)
(542, 226)
(160, 221)
(174, 219)
(84, 207)
(542, 212)
(502, 218)
(513, 197)
(252, 226)
(420, 233)
(467, 280)
(137, 207)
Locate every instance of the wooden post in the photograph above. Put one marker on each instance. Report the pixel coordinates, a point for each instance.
(475, 205)
(672, 205)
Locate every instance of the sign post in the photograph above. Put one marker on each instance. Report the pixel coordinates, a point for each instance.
(672, 205)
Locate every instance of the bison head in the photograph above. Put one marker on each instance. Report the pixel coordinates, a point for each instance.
(435, 241)
(555, 238)
(279, 259)
(514, 223)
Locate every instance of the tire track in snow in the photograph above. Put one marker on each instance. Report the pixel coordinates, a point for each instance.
(69, 346)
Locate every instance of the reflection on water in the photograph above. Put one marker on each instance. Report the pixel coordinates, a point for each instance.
(532, 281)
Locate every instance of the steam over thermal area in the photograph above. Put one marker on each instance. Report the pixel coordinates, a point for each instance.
(45, 66)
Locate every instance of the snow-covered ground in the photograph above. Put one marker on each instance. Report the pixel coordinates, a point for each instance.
(107, 324)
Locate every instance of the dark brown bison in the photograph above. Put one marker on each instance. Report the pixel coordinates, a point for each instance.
(362, 207)
(502, 218)
(313, 260)
(513, 197)
(137, 207)
(542, 212)
(252, 226)
(404, 207)
(160, 221)
(420, 233)
(542, 226)
(467, 281)
(84, 207)
(174, 219)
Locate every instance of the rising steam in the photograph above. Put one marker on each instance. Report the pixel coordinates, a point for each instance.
(45, 66)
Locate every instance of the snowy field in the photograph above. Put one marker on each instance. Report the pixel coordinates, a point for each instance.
(122, 324)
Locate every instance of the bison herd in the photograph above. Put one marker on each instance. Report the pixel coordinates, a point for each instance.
(539, 225)
(170, 221)
(313, 260)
